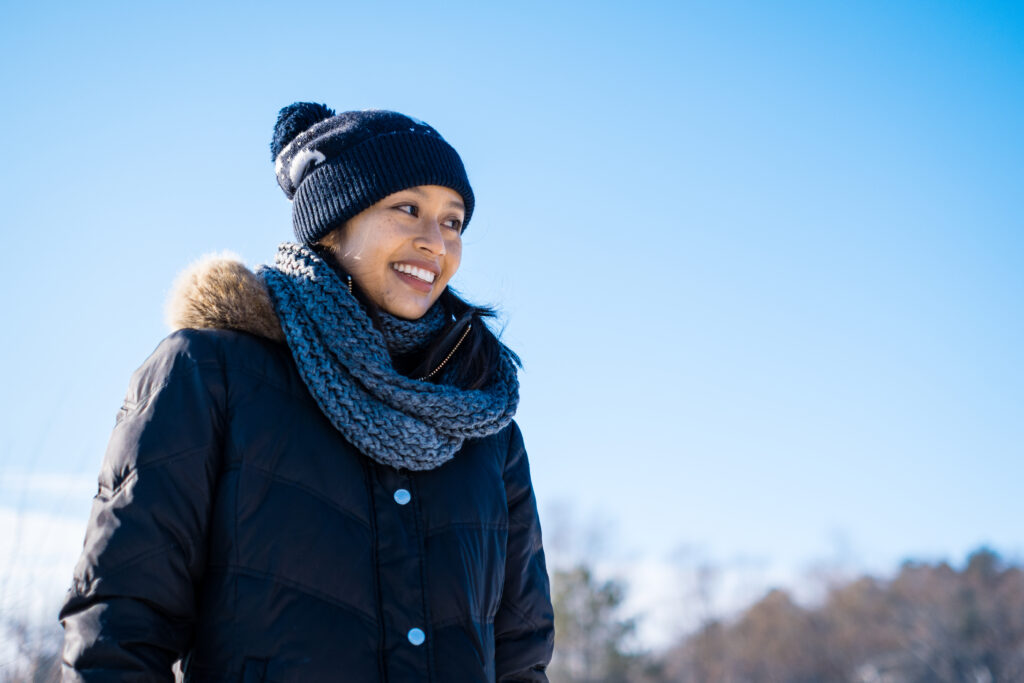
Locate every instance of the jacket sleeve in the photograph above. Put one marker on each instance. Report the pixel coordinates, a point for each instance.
(129, 613)
(524, 631)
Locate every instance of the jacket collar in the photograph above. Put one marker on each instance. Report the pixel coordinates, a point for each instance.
(218, 291)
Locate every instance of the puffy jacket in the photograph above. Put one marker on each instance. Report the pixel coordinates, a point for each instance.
(235, 528)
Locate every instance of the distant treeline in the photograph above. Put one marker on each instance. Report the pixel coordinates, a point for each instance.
(928, 624)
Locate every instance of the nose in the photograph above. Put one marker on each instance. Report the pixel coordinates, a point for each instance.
(430, 238)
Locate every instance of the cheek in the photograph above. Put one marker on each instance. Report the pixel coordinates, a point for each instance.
(454, 257)
(367, 243)
(365, 251)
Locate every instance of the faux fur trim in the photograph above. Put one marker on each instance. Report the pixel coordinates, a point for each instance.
(219, 291)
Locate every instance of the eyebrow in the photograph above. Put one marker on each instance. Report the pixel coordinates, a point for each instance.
(454, 202)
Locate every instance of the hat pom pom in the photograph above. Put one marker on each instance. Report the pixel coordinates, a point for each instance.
(294, 119)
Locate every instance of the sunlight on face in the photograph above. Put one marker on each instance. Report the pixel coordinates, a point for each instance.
(403, 250)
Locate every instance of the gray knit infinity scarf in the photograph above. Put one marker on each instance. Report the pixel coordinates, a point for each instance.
(346, 364)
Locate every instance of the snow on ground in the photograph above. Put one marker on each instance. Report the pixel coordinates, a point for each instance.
(38, 552)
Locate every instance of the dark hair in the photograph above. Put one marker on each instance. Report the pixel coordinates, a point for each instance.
(477, 357)
(480, 353)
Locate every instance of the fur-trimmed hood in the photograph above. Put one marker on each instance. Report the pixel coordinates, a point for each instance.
(219, 291)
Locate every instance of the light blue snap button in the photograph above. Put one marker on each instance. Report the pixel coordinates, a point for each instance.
(402, 497)
(416, 636)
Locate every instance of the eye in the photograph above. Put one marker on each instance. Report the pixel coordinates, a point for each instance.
(454, 224)
(410, 209)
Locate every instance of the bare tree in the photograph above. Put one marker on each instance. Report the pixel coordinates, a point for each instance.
(591, 642)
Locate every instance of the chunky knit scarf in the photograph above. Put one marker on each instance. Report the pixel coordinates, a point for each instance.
(346, 364)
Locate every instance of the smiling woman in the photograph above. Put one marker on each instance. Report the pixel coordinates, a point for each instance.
(317, 475)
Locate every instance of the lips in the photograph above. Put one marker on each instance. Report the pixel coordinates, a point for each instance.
(423, 274)
(418, 277)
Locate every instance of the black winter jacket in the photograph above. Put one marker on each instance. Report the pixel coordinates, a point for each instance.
(234, 527)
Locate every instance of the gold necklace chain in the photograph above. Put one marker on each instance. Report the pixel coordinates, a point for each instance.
(446, 358)
(449, 356)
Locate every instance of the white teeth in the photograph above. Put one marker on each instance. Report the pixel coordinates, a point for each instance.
(419, 273)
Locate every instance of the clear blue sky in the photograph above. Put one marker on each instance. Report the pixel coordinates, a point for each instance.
(764, 261)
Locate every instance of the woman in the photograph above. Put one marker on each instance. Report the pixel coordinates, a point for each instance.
(317, 476)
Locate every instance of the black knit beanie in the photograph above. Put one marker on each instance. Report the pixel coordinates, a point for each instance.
(334, 166)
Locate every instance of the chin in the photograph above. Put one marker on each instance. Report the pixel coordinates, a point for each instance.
(408, 310)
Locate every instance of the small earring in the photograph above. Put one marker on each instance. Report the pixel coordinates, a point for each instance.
(349, 284)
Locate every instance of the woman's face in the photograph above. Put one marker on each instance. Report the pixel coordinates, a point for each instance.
(403, 250)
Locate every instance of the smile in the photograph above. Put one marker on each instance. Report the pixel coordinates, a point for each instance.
(418, 273)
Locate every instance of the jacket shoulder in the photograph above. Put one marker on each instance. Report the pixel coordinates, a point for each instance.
(208, 356)
(511, 439)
